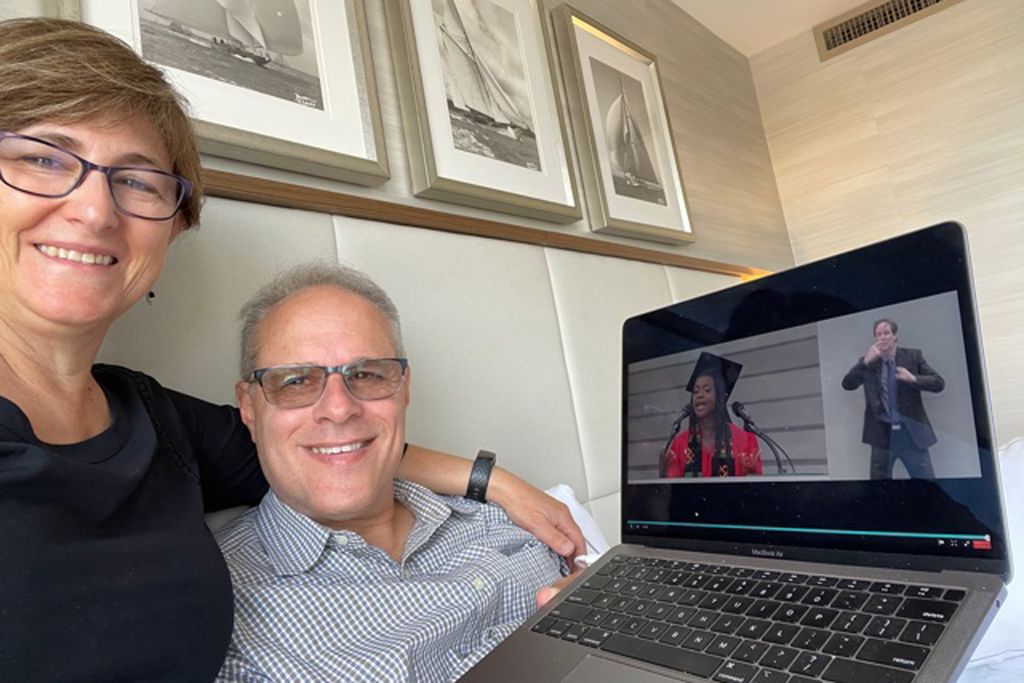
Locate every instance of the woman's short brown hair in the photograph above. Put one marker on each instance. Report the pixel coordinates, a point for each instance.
(66, 72)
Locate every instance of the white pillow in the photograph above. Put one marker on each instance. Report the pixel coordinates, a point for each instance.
(999, 657)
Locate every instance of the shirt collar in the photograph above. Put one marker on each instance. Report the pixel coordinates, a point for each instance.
(294, 542)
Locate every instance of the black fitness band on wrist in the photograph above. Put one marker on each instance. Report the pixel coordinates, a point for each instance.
(480, 476)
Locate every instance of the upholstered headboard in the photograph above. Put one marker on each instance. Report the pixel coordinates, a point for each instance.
(513, 347)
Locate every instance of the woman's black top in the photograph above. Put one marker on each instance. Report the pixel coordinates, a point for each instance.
(107, 570)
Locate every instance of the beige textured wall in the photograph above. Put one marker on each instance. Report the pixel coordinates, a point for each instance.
(923, 125)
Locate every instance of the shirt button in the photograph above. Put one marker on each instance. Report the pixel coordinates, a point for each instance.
(341, 540)
(478, 583)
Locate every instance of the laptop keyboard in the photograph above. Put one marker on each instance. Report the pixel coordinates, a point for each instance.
(741, 625)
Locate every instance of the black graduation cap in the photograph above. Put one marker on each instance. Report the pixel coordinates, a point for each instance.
(708, 363)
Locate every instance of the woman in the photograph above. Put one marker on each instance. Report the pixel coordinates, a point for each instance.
(107, 571)
(712, 446)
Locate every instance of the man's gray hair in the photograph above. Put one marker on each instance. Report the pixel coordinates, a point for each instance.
(300, 278)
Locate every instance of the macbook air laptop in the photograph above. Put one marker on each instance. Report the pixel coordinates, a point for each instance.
(809, 486)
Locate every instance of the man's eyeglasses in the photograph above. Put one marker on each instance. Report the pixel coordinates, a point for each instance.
(43, 169)
(298, 386)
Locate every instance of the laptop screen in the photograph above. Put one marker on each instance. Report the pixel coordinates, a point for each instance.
(835, 410)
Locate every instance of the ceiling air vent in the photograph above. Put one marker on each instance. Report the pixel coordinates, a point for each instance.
(869, 21)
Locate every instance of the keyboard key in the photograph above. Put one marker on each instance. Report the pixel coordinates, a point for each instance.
(595, 617)
(819, 617)
(717, 569)
(660, 611)
(793, 578)
(765, 575)
(763, 609)
(558, 629)
(598, 582)
(771, 676)
(674, 635)
(575, 632)
(810, 664)
(727, 623)
(741, 572)
(791, 593)
(695, 663)
(851, 622)
(853, 584)
(822, 581)
(810, 639)
(780, 633)
(736, 672)
(669, 594)
(851, 671)
(819, 596)
(722, 645)
(750, 651)
(633, 626)
(850, 600)
(842, 644)
(639, 607)
(955, 595)
(714, 601)
(653, 630)
(595, 637)
(681, 615)
(921, 633)
(887, 588)
(571, 612)
(779, 657)
(696, 581)
(741, 586)
(703, 619)
(893, 654)
(753, 628)
(691, 597)
(933, 592)
(717, 584)
(790, 614)
(697, 640)
(882, 604)
(885, 627)
(583, 596)
(765, 589)
(737, 605)
(544, 624)
(927, 610)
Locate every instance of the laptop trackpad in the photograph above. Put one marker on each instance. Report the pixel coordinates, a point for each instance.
(597, 670)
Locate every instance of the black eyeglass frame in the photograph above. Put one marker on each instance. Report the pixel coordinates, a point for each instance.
(256, 377)
(109, 171)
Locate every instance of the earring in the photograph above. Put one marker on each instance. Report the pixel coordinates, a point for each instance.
(150, 296)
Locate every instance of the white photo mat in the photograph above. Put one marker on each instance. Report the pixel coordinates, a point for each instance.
(344, 140)
(580, 41)
(441, 170)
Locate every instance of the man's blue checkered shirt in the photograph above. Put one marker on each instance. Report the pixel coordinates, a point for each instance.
(313, 604)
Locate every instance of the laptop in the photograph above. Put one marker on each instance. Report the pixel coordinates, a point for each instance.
(782, 522)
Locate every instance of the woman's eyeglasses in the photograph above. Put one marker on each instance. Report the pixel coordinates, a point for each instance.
(43, 169)
(298, 386)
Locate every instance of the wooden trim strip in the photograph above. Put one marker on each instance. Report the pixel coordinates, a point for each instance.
(288, 195)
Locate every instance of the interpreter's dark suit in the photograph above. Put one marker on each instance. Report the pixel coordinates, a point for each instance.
(877, 432)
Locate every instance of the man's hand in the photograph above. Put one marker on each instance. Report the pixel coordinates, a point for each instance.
(904, 375)
(537, 512)
(873, 353)
(545, 594)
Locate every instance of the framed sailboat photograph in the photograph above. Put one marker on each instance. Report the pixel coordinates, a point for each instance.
(287, 84)
(482, 122)
(631, 177)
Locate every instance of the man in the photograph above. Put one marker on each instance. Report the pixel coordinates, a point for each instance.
(895, 423)
(344, 573)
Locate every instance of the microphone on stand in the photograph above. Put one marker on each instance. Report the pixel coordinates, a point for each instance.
(740, 411)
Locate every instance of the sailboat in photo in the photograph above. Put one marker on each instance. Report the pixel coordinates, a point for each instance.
(632, 169)
(471, 86)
